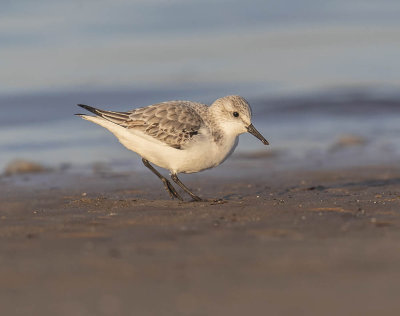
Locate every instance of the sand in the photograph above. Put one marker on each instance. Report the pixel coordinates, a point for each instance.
(321, 242)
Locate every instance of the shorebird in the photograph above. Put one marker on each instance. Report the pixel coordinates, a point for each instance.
(180, 136)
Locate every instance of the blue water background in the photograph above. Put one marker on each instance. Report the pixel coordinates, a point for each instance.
(302, 130)
(312, 70)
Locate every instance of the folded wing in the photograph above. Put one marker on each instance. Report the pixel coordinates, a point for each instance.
(174, 123)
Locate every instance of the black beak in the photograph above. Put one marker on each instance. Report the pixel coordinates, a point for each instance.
(252, 130)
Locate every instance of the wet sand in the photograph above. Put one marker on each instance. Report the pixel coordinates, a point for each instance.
(323, 242)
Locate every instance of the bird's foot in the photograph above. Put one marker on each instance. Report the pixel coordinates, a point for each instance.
(195, 198)
(171, 190)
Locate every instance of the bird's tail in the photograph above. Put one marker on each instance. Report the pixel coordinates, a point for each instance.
(119, 118)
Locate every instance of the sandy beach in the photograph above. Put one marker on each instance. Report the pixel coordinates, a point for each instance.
(322, 242)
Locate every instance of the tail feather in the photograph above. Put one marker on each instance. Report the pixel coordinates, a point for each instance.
(90, 109)
(115, 117)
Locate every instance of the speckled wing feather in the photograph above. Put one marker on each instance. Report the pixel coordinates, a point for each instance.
(173, 122)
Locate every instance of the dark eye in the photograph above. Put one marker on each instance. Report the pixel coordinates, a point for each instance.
(235, 114)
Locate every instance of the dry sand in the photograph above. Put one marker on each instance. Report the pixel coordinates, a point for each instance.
(281, 243)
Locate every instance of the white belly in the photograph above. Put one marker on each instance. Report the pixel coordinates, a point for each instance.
(203, 155)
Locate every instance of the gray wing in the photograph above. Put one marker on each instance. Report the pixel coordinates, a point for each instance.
(173, 122)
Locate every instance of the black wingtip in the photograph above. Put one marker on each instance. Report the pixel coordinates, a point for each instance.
(89, 108)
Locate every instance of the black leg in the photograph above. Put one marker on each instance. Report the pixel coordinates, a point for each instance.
(184, 187)
(168, 186)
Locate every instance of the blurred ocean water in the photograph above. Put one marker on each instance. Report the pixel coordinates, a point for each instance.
(302, 130)
(314, 71)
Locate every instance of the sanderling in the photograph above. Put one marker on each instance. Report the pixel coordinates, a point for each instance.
(180, 136)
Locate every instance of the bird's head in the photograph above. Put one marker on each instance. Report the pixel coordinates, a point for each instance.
(234, 114)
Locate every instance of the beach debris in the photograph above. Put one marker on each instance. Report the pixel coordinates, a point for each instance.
(30, 236)
(348, 140)
(218, 201)
(20, 166)
(317, 188)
